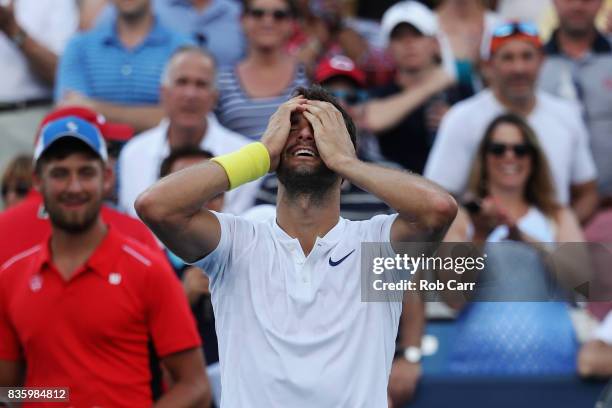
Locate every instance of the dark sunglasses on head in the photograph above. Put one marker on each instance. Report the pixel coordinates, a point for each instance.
(510, 29)
(277, 14)
(499, 149)
(21, 189)
(349, 97)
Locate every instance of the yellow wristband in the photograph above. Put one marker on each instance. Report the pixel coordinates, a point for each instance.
(247, 164)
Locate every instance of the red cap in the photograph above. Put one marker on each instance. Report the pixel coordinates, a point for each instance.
(339, 66)
(115, 132)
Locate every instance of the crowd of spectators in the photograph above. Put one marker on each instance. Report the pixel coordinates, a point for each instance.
(506, 104)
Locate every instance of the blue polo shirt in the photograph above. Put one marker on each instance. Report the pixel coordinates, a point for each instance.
(98, 65)
(216, 28)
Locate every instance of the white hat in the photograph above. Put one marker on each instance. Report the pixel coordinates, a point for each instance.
(411, 12)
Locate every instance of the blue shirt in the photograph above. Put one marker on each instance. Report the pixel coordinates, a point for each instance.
(216, 28)
(99, 66)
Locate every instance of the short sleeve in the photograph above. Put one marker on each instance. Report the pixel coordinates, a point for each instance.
(71, 72)
(583, 165)
(236, 232)
(10, 348)
(604, 331)
(450, 158)
(170, 321)
(379, 227)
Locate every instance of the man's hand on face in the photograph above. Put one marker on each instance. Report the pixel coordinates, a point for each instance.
(330, 134)
(275, 136)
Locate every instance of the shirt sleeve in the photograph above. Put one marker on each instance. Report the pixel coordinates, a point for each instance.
(71, 73)
(583, 165)
(604, 331)
(379, 228)
(171, 323)
(236, 232)
(450, 158)
(10, 348)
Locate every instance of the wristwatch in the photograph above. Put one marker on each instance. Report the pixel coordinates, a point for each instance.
(411, 354)
(19, 37)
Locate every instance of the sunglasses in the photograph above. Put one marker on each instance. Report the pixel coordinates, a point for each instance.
(349, 97)
(277, 14)
(499, 149)
(21, 189)
(510, 29)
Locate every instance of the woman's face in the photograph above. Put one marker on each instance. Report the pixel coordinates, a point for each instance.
(267, 23)
(508, 158)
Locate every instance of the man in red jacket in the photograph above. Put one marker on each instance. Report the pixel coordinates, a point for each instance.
(27, 223)
(78, 309)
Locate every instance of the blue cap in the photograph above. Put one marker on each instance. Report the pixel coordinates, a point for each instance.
(71, 126)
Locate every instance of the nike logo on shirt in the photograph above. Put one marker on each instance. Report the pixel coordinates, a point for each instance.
(338, 262)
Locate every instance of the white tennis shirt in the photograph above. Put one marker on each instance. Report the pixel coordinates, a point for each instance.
(292, 330)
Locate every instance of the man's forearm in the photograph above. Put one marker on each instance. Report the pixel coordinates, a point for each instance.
(414, 198)
(42, 60)
(186, 395)
(412, 320)
(139, 117)
(385, 113)
(184, 193)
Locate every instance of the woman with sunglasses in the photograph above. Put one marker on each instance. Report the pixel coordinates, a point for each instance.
(252, 90)
(511, 189)
(17, 180)
(518, 325)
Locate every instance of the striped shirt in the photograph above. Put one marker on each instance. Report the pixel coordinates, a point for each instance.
(98, 65)
(243, 114)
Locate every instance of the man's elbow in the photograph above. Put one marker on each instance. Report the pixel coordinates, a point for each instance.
(148, 208)
(442, 211)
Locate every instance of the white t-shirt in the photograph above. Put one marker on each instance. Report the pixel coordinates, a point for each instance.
(557, 124)
(49, 22)
(142, 156)
(293, 331)
(604, 331)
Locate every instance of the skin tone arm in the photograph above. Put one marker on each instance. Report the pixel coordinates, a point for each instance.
(190, 386)
(174, 207)
(139, 117)
(425, 210)
(595, 359)
(382, 114)
(42, 60)
(585, 200)
(12, 373)
(404, 374)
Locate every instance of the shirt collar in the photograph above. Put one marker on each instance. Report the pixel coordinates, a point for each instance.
(100, 262)
(157, 35)
(600, 44)
(331, 238)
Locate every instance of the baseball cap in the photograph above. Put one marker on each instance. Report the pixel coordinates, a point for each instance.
(339, 66)
(411, 12)
(70, 126)
(513, 30)
(112, 132)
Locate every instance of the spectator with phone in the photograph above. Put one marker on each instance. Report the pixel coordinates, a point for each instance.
(513, 200)
(511, 192)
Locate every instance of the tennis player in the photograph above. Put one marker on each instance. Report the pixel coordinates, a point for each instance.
(292, 329)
